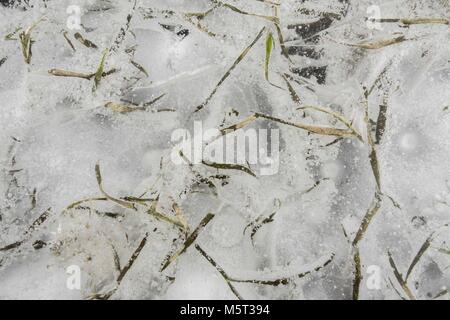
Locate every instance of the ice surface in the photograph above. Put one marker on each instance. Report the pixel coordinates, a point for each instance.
(306, 224)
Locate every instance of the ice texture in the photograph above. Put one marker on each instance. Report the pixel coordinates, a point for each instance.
(89, 188)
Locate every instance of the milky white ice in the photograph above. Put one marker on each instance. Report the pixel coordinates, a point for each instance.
(92, 205)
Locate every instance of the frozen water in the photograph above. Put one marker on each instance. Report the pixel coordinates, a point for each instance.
(305, 224)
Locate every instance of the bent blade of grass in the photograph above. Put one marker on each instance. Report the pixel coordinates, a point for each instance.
(70, 74)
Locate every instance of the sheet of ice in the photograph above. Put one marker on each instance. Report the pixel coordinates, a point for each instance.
(54, 130)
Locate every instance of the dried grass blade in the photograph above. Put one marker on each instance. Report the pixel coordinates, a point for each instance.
(12, 246)
(122, 108)
(228, 166)
(3, 60)
(112, 215)
(440, 294)
(124, 271)
(87, 43)
(285, 280)
(10, 36)
(132, 260)
(381, 123)
(399, 278)
(379, 44)
(375, 166)
(26, 42)
(152, 211)
(395, 289)
(36, 223)
(409, 22)
(40, 220)
(139, 67)
(152, 102)
(99, 73)
(370, 214)
(189, 241)
(270, 43)
(100, 186)
(228, 73)
(70, 74)
(65, 35)
(239, 125)
(180, 216)
(337, 116)
(116, 258)
(373, 150)
(313, 129)
(77, 203)
(257, 226)
(294, 96)
(284, 51)
(237, 10)
(220, 270)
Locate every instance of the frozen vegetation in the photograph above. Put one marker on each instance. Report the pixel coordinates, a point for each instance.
(92, 205)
